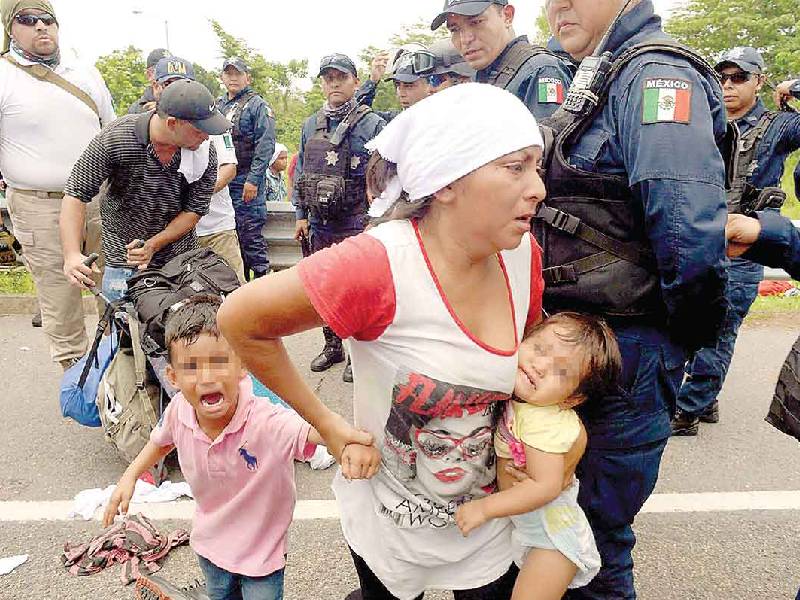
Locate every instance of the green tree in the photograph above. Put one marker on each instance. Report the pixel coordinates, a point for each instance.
(208, 78)
(277, 82)
(713, 26)
(124, 74)
(542, 31)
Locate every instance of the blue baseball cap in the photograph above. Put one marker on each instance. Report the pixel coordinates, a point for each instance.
(173, 68)
(340, 62)
(468, 8)
(746, 58)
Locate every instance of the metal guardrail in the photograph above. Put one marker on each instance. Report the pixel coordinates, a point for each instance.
(284, 250)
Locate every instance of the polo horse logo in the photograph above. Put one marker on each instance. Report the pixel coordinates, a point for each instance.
(250, 460)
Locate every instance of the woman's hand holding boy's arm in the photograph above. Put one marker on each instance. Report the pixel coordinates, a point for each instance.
(254, 319)
(123, 493)
(360, 461)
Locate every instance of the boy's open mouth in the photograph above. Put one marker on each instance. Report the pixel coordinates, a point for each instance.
(211, 399)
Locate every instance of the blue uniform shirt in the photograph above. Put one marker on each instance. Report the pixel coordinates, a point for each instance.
(674, 168)
(366, 95)
(258, 123)
(367, 128)
(778, 244)
(780, 140)
(542, 83)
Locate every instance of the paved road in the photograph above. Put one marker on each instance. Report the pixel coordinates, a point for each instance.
(690, 546)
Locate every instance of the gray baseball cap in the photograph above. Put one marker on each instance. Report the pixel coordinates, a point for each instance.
(237, 63)
(448, 60)
(746, 58)
(468, 8)
(191, 101)
(340, 62)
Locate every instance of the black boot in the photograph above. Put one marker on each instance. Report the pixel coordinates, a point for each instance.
(347, 374)
(331, 354)
(684, 424)
(711, 414)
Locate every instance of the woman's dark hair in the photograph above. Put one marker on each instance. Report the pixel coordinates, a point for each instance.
(379, 172)
(192, 318)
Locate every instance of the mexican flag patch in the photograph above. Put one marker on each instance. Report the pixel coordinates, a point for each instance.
(667, 101)
(551, 91)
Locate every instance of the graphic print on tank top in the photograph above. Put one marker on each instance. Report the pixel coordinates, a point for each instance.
(438, 451)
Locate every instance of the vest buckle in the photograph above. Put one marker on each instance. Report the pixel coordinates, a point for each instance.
(559, 219)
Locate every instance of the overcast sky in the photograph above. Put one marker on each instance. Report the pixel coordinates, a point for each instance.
(281, 30)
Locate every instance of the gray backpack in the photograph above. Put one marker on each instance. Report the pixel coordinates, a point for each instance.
(128, 403)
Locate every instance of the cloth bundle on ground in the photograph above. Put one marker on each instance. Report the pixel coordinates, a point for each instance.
(774, 288)
(133, 542)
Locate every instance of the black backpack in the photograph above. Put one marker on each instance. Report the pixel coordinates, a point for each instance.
(784, 412)
(155, 291)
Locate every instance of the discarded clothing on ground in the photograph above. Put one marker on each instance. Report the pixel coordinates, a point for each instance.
(88, 501)
(7, 565)
(133, 543)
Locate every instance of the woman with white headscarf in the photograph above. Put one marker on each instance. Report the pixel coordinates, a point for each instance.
(276, 186)
(434, 302)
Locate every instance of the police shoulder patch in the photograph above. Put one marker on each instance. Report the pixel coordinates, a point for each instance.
(228, 140)
(666, 101)
(550, 90)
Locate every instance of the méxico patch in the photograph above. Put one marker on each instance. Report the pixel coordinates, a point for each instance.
(667, 101)
(551, 90)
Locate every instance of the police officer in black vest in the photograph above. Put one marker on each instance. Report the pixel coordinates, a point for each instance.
(633, 230)
(253, 136)
(330, 184)
(483, 32)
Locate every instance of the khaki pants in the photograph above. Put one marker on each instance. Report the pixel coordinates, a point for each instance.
(226, 244)
(34, 216)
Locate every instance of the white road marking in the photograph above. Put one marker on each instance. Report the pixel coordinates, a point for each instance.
(308, 510)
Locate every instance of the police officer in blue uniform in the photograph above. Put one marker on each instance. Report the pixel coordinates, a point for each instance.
(253, 136)
(483, 32)
(633, 230)
(766, 140)
(449, 67)
(410, 76)
(329, 193)
(767, 238)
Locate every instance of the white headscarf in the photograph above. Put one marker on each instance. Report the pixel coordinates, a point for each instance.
(449, 135)
(278, 149)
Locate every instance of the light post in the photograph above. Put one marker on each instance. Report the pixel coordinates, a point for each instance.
(140, 12)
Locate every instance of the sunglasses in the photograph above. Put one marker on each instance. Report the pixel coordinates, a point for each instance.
(738, 78)
(437, 80)
(31, 20)
(418, 62)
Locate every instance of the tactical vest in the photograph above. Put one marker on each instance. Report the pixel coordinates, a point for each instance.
(328, 188)
(513, 61)
(245, 146)
(743, 197)
(597, 257)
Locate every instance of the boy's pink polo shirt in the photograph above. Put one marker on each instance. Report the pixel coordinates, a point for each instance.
(243, 482)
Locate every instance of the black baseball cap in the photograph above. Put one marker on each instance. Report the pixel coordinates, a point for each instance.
(340, 62)
(746, 58)
(191, 101)
(468, 8)
(156, 55)
(237, 63)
